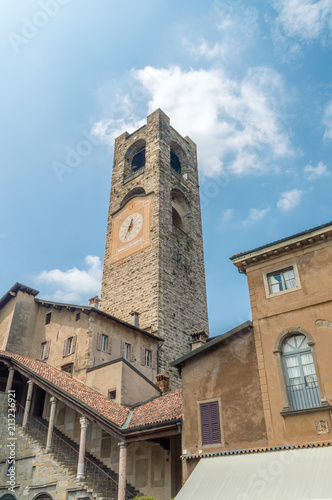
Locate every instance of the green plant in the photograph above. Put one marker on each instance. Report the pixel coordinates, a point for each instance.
(144, 498)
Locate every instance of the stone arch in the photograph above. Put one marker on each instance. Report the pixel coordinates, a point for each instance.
(323, 323)
(8, 496)
(178, 158)
(135, 157)
(292, 331)
(43, 496)
(281, 370)
(137, 191)
(181, 210)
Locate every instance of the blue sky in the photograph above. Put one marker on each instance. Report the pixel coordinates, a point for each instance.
(248, 81)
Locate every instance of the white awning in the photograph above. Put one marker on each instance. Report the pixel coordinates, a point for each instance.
(295, 474)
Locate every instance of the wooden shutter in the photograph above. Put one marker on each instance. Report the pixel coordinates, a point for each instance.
(47, 349)
(132, 353)
(109, 345)
(142, 356)
(215, 422)
(64, 352)
(98, 341)
(122, 349)
(154, 360)
(73, 346)
(210, 423)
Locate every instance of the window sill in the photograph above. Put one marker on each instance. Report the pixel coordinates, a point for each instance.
(288, 412)
(132, 175)
(283, 292)
(212, 445)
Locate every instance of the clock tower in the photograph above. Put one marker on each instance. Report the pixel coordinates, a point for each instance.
(153, 265)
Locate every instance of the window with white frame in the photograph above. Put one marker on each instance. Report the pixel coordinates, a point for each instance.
(69, 346)
(148, 358)
(103, 342)
(300, 373)
(127, 351)
(282, 280)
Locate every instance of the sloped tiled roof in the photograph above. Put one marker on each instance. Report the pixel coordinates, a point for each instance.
(117, 414)
(161, 409)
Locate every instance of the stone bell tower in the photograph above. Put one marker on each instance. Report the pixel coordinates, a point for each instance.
(153, 266)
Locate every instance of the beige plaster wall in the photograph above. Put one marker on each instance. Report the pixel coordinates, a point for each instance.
(21, 334)
(107, 378)
(130, 387)
(117, 333)
(228, 372)
(299, 308)
(6, 318)
(62, 326)
(134, 388)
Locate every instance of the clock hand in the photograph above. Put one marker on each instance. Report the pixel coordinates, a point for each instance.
(131, 225)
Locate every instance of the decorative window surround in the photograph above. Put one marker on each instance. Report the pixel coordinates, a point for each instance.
(216, 402)
(280, 269)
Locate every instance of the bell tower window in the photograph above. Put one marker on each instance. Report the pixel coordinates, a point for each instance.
(177, 221)
(138, 160)
(178, 158)
(175, 163)
(135, 158)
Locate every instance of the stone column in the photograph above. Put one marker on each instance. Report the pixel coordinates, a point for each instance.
(122, 471)
(27, 404)
(53, 402)
(80, 467)
(10, 378)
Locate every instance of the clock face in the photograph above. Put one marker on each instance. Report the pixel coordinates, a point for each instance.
(130, 227)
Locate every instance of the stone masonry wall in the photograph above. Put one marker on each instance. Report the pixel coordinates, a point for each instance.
(165, 282)
(35, 471)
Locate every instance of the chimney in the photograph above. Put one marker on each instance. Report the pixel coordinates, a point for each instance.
(199, 339)
(134, 318)
(163, 382)
(94, 302)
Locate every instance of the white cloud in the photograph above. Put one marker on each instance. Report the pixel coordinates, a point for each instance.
(327, 120)
(313, 173)
(306, 20)
(236, 124)
(204, 49)
(237, 29)
(289, 199)
(108, 129)
(70, 286)
(226, 215)
(255, 215)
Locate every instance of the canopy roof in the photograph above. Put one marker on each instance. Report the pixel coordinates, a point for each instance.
(297, 474)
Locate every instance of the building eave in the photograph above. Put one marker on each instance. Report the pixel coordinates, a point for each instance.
(284, 246)
(212, 343)
(13, 291)
(89, 310)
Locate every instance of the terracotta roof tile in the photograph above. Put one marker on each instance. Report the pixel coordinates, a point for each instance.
(161, 409)
(114, 412)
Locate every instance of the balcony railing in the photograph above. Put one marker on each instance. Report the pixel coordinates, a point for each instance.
(304, 396)
(95, 477)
